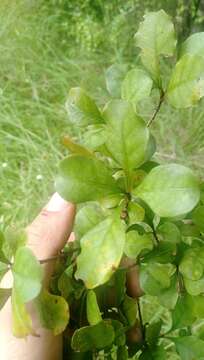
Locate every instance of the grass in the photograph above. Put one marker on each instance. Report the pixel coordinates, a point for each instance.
(36, 73)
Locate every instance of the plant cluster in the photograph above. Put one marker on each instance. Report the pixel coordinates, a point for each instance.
(139, 230)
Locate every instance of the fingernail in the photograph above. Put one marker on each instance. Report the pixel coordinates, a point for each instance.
(56, 203)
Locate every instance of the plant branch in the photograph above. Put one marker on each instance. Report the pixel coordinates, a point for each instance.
(140, 319)
(62, 255)
(155, 235)
(157, 108)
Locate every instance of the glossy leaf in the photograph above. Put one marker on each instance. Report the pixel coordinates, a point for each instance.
(186, 85)
(81, 109)
(114, 76)
(169, 232)
(82, 179)
(192, 264)
(194, 45)
(94, 137)
(183, 313)
(4, 295)
(189, 347)
(136, 86)
(21, 320)
(136, 213)
(28, 275)
(155, 37)
(135, 243)
(53, 312)
(127, 134)
(194, 287)
(92, 308)
(86, 218)
(169, 190)
(198, 217)
(101, 252)
(93, 337)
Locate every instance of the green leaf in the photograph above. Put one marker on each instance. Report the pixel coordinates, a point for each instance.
(194, 287)
(194, 45)
(93, 337)
(4, 295)
(136, 86)
(127, 134)
(21, 320)
(192, 265)
(15, 238)
(152, 332)
(198, 217)
(86, 218)
(189, 347)
(183, 313)
(156, 353)
(27, 274)
(169, 232)
(155, 37)
(199, 306)
(82, 179)
(92, 308)
(101, 252)
(169, 190)
(75, 148)
(135, 243)
(154, 277)
(136, 213)
(81, 109)
(53, 312)
(94, 137)
(114, 76)
(151, 149)
(119, 329)
(129, 307)
(186, 85)
(3, 258)
(168, 297)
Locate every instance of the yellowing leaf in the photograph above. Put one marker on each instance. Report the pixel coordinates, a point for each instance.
(101, 252)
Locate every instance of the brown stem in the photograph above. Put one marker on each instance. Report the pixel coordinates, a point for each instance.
(140, 319)
(157, 108)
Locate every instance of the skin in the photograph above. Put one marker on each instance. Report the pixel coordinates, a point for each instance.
(47, 235)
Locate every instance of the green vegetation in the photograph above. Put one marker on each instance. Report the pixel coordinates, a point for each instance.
(48, 47)
(131, 285)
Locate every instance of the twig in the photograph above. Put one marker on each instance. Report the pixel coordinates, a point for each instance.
(140, 319)
(157, 108)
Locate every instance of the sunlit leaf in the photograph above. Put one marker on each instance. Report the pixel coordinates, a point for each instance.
(53, 312)
(136, 86)
(101, 252)
(135, 243)
(194, 45)
(86, 218)
(21, 320)
(155, 37)
(114, 76)
(92, 308)
(75, 148)
(127, 134)
(169, 190)
(192, 264)
(186, 86)
(83, 179)
(93, 337)
(81, 109)
(28, 275)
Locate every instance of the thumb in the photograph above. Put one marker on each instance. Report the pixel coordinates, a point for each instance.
(49, 232)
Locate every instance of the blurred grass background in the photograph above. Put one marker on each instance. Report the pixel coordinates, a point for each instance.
(47, 46)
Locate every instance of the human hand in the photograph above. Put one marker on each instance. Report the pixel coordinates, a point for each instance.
(47, 235)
